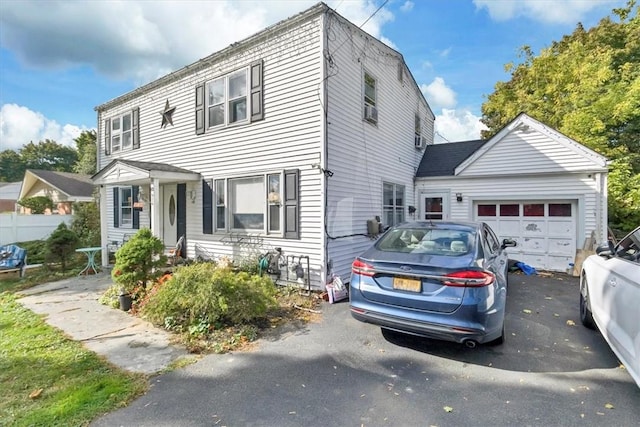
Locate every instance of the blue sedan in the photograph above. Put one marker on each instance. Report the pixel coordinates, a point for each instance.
(442, 280)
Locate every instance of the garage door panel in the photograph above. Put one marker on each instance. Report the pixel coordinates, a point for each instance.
(544, 230)
(533, 227)
(532, 244)
(561, 228)
(558, 246)
(510, 227)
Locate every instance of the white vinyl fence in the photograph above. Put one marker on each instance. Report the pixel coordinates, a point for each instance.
(21, 228)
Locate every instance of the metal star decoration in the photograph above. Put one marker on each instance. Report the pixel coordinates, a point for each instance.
(167, 115)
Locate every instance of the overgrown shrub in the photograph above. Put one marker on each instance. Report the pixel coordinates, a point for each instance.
(61, 245)
(201, 297)
(138, 261)
(36, 251)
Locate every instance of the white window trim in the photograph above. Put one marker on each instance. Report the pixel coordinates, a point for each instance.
(227, 101)
(266, 211)
(394, 206)
(120, 133)
(121, 207)
(366, 103)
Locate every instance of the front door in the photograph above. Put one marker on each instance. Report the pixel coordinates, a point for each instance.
(170, 215)
(434, 206)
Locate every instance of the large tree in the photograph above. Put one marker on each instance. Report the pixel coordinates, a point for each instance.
(87, 150)
(11, 166)
(587, 86)
(48, 155)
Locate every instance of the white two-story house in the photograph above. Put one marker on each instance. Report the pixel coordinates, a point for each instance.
(297, 138)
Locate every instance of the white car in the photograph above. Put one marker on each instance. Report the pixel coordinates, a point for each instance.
(610, 298)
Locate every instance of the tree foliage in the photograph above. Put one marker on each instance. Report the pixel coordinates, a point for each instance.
(87, 150)
(587, 86)
(139, 261)
(37, 204)
(61, 245)
(11, 166)
(48, 155)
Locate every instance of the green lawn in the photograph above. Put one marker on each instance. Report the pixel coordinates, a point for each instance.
(47, 379)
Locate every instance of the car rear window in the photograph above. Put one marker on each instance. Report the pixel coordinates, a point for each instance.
(436, 241)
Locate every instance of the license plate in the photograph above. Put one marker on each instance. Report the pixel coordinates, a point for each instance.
(404, 284)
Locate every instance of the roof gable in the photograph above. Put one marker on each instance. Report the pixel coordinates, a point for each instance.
(121, 171)
(528, 145)
(77, 187)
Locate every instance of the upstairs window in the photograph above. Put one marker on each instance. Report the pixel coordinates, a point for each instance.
(370, 98)
(230, 99)
(121, 132)
(227, 99)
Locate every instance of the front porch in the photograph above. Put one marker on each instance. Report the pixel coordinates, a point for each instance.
(136, 195)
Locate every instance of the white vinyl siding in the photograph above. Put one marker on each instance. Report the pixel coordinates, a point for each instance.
(290, 137)
(361, 156)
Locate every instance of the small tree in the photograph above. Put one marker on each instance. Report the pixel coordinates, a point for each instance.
(139, 261)
(86, 223)
(61, 245)
(37, 204)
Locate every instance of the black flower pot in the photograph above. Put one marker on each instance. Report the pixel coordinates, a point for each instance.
(125, 302)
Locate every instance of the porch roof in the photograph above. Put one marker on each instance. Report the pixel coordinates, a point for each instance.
(133, 172)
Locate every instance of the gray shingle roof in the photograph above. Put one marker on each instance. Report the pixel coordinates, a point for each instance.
(72, 184)
(442, 159)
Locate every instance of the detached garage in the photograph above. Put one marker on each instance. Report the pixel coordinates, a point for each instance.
(529, 182)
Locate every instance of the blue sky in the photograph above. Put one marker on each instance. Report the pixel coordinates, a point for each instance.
(59, 60)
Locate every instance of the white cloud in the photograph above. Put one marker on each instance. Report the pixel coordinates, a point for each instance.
(407, 6)
(143, 40)
(20, 126)
(438, 94)
(547, 11)
(457, 125)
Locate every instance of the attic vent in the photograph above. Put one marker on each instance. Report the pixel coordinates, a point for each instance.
(370, 113)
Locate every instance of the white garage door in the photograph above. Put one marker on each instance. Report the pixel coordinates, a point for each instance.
(545, 230)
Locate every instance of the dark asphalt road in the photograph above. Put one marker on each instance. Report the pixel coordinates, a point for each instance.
(339, 372)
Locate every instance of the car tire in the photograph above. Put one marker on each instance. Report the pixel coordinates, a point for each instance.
(500, 339)
(586, 317)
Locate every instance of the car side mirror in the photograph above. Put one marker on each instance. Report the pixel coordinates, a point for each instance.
(606, 250)
(509, 243)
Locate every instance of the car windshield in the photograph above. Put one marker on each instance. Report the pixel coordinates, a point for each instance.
(436, 241)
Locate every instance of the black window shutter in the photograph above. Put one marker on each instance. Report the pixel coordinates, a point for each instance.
(207, 206)
(136, 211)
(107, 137)
(257, 91)
(116, 207)
(291, 204)
(135, 129)
(200, 109)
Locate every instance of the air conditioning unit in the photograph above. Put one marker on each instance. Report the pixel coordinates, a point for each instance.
(370, 113)
(419, 142)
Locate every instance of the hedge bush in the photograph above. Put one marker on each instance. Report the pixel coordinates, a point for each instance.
(201, 297)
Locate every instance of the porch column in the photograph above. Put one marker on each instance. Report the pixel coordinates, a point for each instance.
(154, 199)
(104, 226)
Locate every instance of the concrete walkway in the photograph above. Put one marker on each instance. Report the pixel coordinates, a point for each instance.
(123, 339)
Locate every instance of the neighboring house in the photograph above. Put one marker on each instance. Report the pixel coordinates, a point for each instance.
(529, 182)
(9, 192)
(294, 138)
(63, 188)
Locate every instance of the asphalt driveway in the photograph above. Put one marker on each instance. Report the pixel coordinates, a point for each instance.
(339, 372)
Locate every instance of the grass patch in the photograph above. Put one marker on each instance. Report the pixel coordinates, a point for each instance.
(48, 379)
